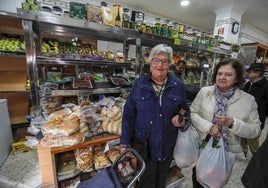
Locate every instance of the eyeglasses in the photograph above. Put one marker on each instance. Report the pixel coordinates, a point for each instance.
(157, 61)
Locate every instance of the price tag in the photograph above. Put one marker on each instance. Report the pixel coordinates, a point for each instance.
(177, 41)
(111, 143)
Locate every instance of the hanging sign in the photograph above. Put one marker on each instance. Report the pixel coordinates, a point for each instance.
(221, 31)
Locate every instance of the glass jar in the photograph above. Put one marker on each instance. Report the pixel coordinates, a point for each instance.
(175, 30)
(133, 25)
(149, 28)
(194, 36)
(182, 31)
(181, 28)
(126, 24)
(142, 27)
(169, 28)
(158, 24)
(164, 30)
(203, 38)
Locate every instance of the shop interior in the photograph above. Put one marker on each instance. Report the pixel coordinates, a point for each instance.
(62, 54)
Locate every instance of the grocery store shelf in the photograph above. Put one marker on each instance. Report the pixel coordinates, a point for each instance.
(64, 26)
(65, 61)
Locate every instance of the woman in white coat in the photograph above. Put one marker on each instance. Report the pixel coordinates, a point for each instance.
(223, 109)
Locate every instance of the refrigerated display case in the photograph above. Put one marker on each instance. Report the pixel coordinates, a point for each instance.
(6, 137)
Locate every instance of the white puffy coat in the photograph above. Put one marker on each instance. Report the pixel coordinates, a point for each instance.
(242, 107)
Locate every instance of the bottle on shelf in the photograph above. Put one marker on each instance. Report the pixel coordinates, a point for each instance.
(118, 21)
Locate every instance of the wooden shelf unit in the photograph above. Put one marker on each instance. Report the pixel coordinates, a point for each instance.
(254, 51)
(46, 157)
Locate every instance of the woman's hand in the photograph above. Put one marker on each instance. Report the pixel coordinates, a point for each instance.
(122, 149)
(215, 131)
(224, 120)
(176, 123)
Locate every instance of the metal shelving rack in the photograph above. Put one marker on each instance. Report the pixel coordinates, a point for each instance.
(38, 24)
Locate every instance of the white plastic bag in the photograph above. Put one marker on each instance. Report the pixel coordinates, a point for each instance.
(186, 150)
(214, 165)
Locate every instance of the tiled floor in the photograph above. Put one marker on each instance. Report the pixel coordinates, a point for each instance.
(22, 170)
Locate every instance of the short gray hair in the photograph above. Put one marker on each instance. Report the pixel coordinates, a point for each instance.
(161, 49)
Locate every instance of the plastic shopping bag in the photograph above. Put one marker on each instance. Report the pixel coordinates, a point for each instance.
(214, 165)
(186, 150)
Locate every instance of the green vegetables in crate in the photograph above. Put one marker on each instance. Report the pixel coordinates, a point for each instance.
(9, 44)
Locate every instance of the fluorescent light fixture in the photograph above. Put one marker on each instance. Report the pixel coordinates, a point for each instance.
(185, 2)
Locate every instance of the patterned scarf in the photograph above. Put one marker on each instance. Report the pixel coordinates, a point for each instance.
(221, 106)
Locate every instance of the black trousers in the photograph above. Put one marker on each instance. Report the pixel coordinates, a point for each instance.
(155, 174)
(196, 184)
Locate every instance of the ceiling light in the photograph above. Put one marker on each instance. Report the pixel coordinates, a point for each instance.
(185, 2)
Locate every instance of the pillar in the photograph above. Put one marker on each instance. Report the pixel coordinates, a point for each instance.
(227, 24)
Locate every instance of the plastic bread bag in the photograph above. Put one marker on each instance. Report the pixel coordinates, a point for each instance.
(186, 150)
(214, 165)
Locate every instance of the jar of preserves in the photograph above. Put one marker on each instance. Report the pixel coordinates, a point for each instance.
(194, 36)
(149, 28)
(164, 28)
(169, 28)
(175, 30)
(181, 28)
(158, 24)
(126, 24)
(203, 38)
(142, 27)
(133, 25)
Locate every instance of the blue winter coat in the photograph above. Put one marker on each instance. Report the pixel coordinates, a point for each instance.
(142, 110)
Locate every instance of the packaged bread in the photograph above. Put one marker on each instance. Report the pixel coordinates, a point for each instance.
(75, 116)
(57, 141)
(60, 114)
(113, 153)
(84, 159)
(60, 128)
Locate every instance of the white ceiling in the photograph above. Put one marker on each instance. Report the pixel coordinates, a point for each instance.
(200, 13)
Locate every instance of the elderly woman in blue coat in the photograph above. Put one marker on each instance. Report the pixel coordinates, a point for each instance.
(150, 117)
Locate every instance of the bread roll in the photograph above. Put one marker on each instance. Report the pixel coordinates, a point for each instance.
(113, 112)
(105, 121)
(117, 116)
